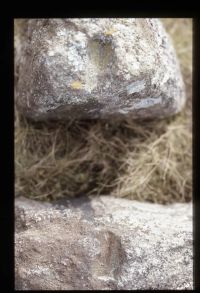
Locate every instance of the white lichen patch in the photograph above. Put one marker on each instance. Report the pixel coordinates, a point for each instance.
(141, 104)
(91, 77)
(105, 278)
(148, 102)
(38, 271)
(94, 244)
(68, 45)
(135, 87)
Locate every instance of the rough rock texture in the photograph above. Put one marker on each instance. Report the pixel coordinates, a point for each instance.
(102, 243)
(97, 68)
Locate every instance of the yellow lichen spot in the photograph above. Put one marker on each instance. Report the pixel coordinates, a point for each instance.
(110, 31)
(77, 85)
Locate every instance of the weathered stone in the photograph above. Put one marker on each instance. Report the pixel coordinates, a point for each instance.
(97, 68)
(102, 243)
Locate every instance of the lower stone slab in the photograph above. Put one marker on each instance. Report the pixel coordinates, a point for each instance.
(102, 243)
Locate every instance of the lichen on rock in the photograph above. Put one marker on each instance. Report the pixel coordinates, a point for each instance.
(102, 243)
(97, 68)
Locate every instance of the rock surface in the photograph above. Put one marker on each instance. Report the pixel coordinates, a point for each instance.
(97, 68)
(102, 243)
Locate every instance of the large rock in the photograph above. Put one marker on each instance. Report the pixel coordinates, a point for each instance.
(103, 243)
(97, 68)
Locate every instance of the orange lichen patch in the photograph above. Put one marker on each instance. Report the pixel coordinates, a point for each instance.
(110, 31)
(77, 85)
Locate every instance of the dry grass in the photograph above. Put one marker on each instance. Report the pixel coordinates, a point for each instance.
(144, 161)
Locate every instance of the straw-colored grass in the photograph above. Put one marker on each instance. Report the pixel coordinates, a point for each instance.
(147, 161)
